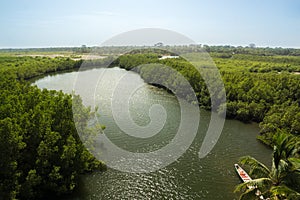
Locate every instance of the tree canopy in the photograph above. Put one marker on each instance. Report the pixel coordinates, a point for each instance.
(40, 150)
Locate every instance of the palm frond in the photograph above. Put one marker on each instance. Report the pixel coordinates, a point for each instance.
(287, 144)
(285, 165)
(282, 169)
(241, 187)
(256, 168)
(248, 194)
(284, 191)
(276, 156)
(261, 183)
(295, 164)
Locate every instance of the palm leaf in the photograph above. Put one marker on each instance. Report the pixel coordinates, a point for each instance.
(295, 164)
(248, 194)
(261, 183)
(256, 168)
(282, 170)
(276, 157)
(284, 191)
(241, 187)
(288, 145)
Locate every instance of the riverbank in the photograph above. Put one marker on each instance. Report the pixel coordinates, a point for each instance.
(251, 96)
(189, 177)
(255, 93)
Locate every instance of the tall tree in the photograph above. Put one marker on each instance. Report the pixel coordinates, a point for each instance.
(274, 182)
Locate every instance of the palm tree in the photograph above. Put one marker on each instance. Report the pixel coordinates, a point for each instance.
(274, 183)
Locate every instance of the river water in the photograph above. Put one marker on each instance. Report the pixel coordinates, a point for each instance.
(189, 177)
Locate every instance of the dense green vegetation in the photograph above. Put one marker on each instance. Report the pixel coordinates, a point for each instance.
(222, 51)
(271, 97)
(28, 67)
(41, 153)
(39, 145)
(282, 180)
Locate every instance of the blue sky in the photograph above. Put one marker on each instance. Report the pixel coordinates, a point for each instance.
(36, 23)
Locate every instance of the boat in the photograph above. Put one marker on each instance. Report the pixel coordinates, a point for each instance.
(242, 173)
(246, 178)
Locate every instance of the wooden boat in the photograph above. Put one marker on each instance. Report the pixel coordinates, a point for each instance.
(242, 173)
(246, 178)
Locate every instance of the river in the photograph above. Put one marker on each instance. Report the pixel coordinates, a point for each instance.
(189, 177)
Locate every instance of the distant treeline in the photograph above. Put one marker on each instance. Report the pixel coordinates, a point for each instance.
(27, 67)
(226, 51)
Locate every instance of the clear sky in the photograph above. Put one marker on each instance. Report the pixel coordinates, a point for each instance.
(36, 23)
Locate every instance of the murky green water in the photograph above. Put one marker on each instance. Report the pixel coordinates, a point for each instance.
(212, 177)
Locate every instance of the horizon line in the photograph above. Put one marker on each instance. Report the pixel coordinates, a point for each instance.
(70, 46)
